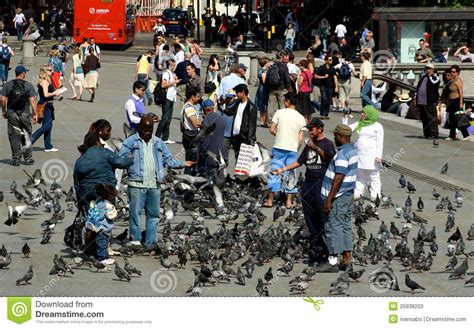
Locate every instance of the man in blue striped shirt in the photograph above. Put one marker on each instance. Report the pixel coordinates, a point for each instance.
(337, 193)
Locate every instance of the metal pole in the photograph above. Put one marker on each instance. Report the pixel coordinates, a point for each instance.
(198, 20)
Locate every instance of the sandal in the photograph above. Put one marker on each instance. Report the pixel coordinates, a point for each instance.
(73, 98)
(266, 205)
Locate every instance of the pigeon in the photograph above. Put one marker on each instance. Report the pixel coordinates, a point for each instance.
(412, 284)
(276, 213)
(167, 264)
(46, 236)
(300, 287)
(98, 265)
(434, 247)
(420, 204)
(5, 260)
(262, 288)
(26, 250)
(355, 275)
(435, 142)
(27, 277)
(341, 285)
(394, 230)
(60, 266)
(130, 268)
(240, 277)
(121, 273)
(456, 236)
(470, 233)
(402, 181)
(459, 200)
(13, 186)
(268, 275)
(460, 271)
(435, 194)
(470, 281)
(444, 169)
(34, 180)
(1, 196)
(286, 269)
(14, 214)
(453, 261)
(410, 187)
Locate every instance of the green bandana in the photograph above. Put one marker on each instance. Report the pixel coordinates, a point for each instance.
(372, 116)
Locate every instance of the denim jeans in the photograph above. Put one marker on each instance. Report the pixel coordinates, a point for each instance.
(147, 199)
(366, 93)
(326, 96)
(19, 31)
(289, 44)
(338, 226)
(46, 127)
(313, 215)
(163, 130)
(281, 158)
(142, 77)
(102, 245)
(3, 72)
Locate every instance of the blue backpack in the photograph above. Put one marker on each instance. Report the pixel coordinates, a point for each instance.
(4, 54)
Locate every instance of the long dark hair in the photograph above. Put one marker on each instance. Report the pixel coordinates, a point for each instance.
(99, 125)
(90, 139)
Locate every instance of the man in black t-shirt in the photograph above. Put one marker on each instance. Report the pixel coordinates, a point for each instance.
(326, 74)
(316, 156)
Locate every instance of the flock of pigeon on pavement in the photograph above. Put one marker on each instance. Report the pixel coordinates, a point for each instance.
(246, 238)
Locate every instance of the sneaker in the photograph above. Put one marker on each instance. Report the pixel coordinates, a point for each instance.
(15, 163)
(133, 243)
(169, 141)
(108, 261)
(327, 268)
(51, 150)
(112, 252)
(29, 162)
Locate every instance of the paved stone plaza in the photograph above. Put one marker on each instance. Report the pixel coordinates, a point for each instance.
(402, 146)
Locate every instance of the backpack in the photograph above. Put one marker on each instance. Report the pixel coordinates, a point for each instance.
(273, 80)
(159, 94)
(18, 98)
(344, 71)
(4, 54)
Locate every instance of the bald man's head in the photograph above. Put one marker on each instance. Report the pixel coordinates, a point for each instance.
(145, 128)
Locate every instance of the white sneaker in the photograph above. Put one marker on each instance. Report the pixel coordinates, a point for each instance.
(133, 243)
(356, 197)
(51, 150)
(108, 261)
(169, 141)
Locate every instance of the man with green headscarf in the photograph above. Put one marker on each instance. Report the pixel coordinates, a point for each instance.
(369, 144)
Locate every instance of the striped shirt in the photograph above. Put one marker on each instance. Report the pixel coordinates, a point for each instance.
(345, 163)
(149, 167)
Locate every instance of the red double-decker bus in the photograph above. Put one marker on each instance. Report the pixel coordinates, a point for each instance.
(108, 21)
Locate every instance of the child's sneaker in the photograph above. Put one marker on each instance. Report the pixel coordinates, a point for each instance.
(108, 261)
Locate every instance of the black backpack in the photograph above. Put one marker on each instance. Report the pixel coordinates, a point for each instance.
(273, 79)
(344, 71)
(18, 97)
(159, 94)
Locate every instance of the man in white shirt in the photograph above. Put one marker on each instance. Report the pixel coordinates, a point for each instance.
(95, 46)
(340, 30)
(288, 128)
(169, 82)
(179, 53)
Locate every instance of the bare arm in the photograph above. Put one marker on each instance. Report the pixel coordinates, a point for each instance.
(300, 138)
(336, 184)
(195, 121)
(44, 85)
(3, 99)
(273, 128)
(461, 95)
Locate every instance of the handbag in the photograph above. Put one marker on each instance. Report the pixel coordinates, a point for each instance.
(209, 87)
(464, 120)
(40, 111)
(85, 68)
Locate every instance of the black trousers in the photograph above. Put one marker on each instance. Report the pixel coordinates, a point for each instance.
(429, 119)
(20, 120)
(452, 108)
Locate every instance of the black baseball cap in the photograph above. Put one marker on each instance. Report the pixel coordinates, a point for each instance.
(315, 123)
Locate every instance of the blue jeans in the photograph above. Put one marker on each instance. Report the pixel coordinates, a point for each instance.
(338, 226)
(46, 127)
(3, 72)
(142, 77)
(326, 96)
(281, 158)
(289, 44)
(366, 93)
(147, 199)
(19, 31)
(102, 245)
(163, 130)
(314, 216)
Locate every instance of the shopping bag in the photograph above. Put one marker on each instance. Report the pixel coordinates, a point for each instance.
(244, 160)
(256, 166)
(151, 86)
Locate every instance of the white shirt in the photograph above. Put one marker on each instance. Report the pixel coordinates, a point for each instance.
(76, 61)
(19, 18)
(130, 108)
(171, 91)
(340, 30)
(179, 57)
(96, 50)
(289, 124)
(292, 68)
(238, 119)
(369, 144)
(343, 61)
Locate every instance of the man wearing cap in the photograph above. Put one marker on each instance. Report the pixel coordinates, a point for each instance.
(212, 153)
(337, 194)
(426, 100)
(287, 127)
(18, 96)
(242, 70)
(316, 156)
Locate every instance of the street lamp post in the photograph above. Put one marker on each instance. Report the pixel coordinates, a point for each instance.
(249, 36)
(207, 24)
